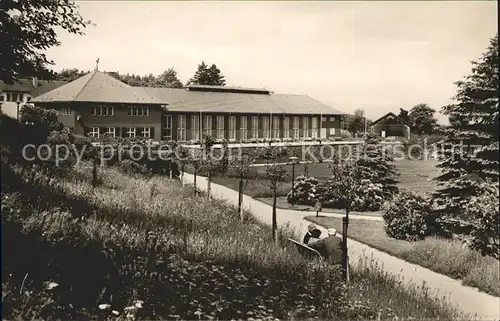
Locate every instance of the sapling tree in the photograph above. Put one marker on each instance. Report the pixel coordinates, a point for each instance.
(241, 166)
(276, 174)
(346, 181)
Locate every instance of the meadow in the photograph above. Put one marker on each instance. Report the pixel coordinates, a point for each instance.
(415, 175)
(147, 248)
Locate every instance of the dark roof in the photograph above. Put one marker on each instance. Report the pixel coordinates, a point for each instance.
(229, 102)
(241, 90)
(26, 86)
(98, 87)
(101, 87)
(401, 120)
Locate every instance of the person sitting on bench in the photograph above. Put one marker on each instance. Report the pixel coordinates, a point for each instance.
(312, 232)
(330, 247)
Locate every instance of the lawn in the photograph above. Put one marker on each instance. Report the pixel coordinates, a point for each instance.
(448, 257)
(415, 175)
(149, 239)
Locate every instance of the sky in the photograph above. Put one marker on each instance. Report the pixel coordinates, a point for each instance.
(375, 56)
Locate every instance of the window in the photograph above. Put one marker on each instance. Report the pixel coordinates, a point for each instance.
(276, 127)
(138, 111)
(146, 132)
(131, 132)
(65, 111)
(207, 125)
(103, 110)
(332, 118)
(181, 130)
(28, 98)
(255, 126)
(243, 127)
(286, 127)
(305, 127)
(220, 127)
(167, 126)
(232, 127)
(2, 98)
(14, 97)
(265, 127)
(314, 127)
(195, 127)
(295, 127)
(111, 132)
(94, 132)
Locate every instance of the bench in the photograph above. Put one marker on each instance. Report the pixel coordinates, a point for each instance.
(306, 250)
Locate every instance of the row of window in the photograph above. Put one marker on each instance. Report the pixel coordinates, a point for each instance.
(112, 131)
(267, 127)
(15, 97)
(110, 111)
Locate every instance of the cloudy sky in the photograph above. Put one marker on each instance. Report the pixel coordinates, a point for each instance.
(377, 56)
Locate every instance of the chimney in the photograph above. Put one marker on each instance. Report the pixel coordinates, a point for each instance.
(35, 82)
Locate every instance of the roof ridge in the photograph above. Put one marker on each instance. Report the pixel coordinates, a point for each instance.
(83, 87)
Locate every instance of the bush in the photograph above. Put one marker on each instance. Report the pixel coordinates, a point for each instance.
(370, 197)
(130, 167)
(485, 220)
(304, 191)
(410, 217)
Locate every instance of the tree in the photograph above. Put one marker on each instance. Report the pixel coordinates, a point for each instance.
(216, 77)
(241, 166)
(205, 75)
(422, 119)
(404, 115)
(276, 174)
(470, 147)
(70, 74)
(168, 79)
(356, 122)
(376, 164)
(346, 179)
(29, 28)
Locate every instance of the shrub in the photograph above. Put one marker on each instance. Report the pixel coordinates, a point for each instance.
(370, 197)
(304, 192)
(132, 168)
(485, 220)
(325, 193)
(410, 217)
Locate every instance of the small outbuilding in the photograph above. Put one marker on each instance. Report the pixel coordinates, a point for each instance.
(391, 125)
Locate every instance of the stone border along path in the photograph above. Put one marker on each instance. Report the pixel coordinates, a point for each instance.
(479, 305)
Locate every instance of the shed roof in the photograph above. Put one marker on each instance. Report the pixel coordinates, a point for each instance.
(98, 87)
(387, 116)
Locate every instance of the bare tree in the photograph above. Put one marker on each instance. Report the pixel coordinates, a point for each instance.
(241, 166)
(276, 174)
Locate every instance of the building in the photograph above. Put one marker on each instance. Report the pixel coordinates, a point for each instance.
(13, 96)
(98, 104)
(390, 125)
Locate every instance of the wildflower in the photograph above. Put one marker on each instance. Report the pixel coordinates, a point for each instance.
(138, 304)
(104, 306)
(49, 285)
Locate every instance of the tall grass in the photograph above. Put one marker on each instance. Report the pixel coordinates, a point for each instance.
(453, 258)
(187, 257)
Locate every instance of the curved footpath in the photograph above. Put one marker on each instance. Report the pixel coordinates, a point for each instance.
(467, 299)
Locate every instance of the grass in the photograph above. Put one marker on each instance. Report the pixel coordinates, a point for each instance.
(444, 256)
(151, 240)
(415, 175)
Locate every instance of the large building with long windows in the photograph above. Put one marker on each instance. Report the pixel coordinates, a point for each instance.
(98, 104)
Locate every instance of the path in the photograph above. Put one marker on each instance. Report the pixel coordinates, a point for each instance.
(467, 299)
